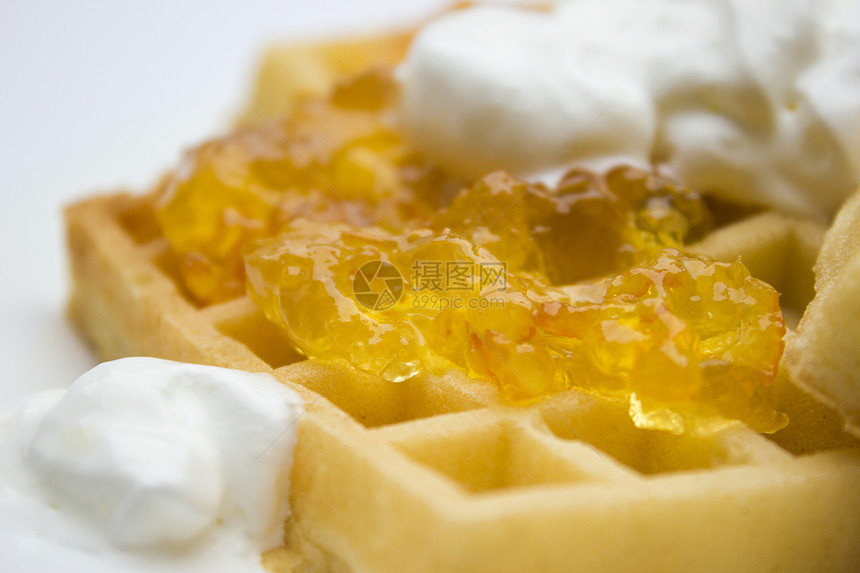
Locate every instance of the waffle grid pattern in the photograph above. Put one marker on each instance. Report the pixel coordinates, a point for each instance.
(435, 475)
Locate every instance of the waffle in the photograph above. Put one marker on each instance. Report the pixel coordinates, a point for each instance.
(823, 354)
(435, 474)
(291, 71)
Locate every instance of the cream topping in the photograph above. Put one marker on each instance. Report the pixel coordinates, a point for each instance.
(145, 465)
(752, 100)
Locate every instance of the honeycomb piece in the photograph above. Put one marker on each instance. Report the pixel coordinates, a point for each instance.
(684, 338)
(333, 159)
(680, 330)
(588, 226)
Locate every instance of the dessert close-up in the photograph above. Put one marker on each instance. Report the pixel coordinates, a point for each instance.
(565, 287)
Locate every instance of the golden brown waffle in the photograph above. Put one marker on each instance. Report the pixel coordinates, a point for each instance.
(434, 475)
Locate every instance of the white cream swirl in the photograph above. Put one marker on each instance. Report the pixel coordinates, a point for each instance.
(147, 465)
(752, 100)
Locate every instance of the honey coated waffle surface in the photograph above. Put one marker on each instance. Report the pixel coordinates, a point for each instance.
(436, 474)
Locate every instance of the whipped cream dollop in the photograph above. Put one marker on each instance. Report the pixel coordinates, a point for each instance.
(754, 100)
(147, 465)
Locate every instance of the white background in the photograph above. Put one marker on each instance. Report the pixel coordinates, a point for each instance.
(99, 95)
